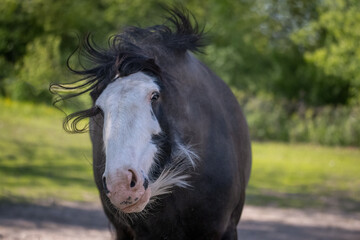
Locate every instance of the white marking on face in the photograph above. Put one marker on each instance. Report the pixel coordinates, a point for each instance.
(128, 124)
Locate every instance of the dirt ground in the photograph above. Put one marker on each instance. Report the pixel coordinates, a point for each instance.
(86, 221)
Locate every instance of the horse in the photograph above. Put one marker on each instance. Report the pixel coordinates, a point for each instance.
(170, 143)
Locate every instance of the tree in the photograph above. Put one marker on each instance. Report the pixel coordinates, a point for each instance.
(37, 37)
(331, 43)
(294, 49)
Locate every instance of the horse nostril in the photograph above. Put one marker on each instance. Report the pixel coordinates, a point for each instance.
(104, 185)
(132, 184)
(146, 183)
(133, 179)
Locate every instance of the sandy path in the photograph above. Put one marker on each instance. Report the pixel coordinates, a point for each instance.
(87, 221)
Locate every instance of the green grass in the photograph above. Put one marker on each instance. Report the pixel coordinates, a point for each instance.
(300, 175)
(39, 161)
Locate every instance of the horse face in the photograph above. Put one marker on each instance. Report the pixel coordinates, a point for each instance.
(129, 125)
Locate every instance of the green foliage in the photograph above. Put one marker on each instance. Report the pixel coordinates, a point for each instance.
(17, 28)
(266, 119)
(327, 125)
(36, 38)
(331, 43)
(337, 36)
(272, 119)
(295, 49)
(41, 64)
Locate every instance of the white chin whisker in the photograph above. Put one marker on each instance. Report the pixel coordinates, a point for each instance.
(183, 160)
(167, 180)
(185, 153)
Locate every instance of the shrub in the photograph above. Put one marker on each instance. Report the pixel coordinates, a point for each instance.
(39, 67)
(272, 119)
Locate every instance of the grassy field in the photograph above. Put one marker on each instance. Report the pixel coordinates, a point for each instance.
(292, 175)
(39, 161)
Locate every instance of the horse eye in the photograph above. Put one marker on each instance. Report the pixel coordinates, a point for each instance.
(155, 96)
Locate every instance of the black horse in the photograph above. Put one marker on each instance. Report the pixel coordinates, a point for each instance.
(171, 148)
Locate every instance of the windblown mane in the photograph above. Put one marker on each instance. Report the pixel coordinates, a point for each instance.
(133, 50)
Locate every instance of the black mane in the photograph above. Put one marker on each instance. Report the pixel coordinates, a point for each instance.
(135, 49)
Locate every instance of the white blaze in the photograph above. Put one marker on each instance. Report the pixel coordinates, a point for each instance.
(128, 124)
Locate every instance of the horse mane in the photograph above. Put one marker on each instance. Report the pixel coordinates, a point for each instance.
(133, 50)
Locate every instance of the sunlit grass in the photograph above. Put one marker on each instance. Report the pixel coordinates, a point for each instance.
(38, 160)
(300, 175)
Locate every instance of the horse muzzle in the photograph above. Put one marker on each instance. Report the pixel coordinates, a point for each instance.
(127, 190)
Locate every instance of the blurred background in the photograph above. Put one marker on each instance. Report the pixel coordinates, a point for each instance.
(294, 66)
